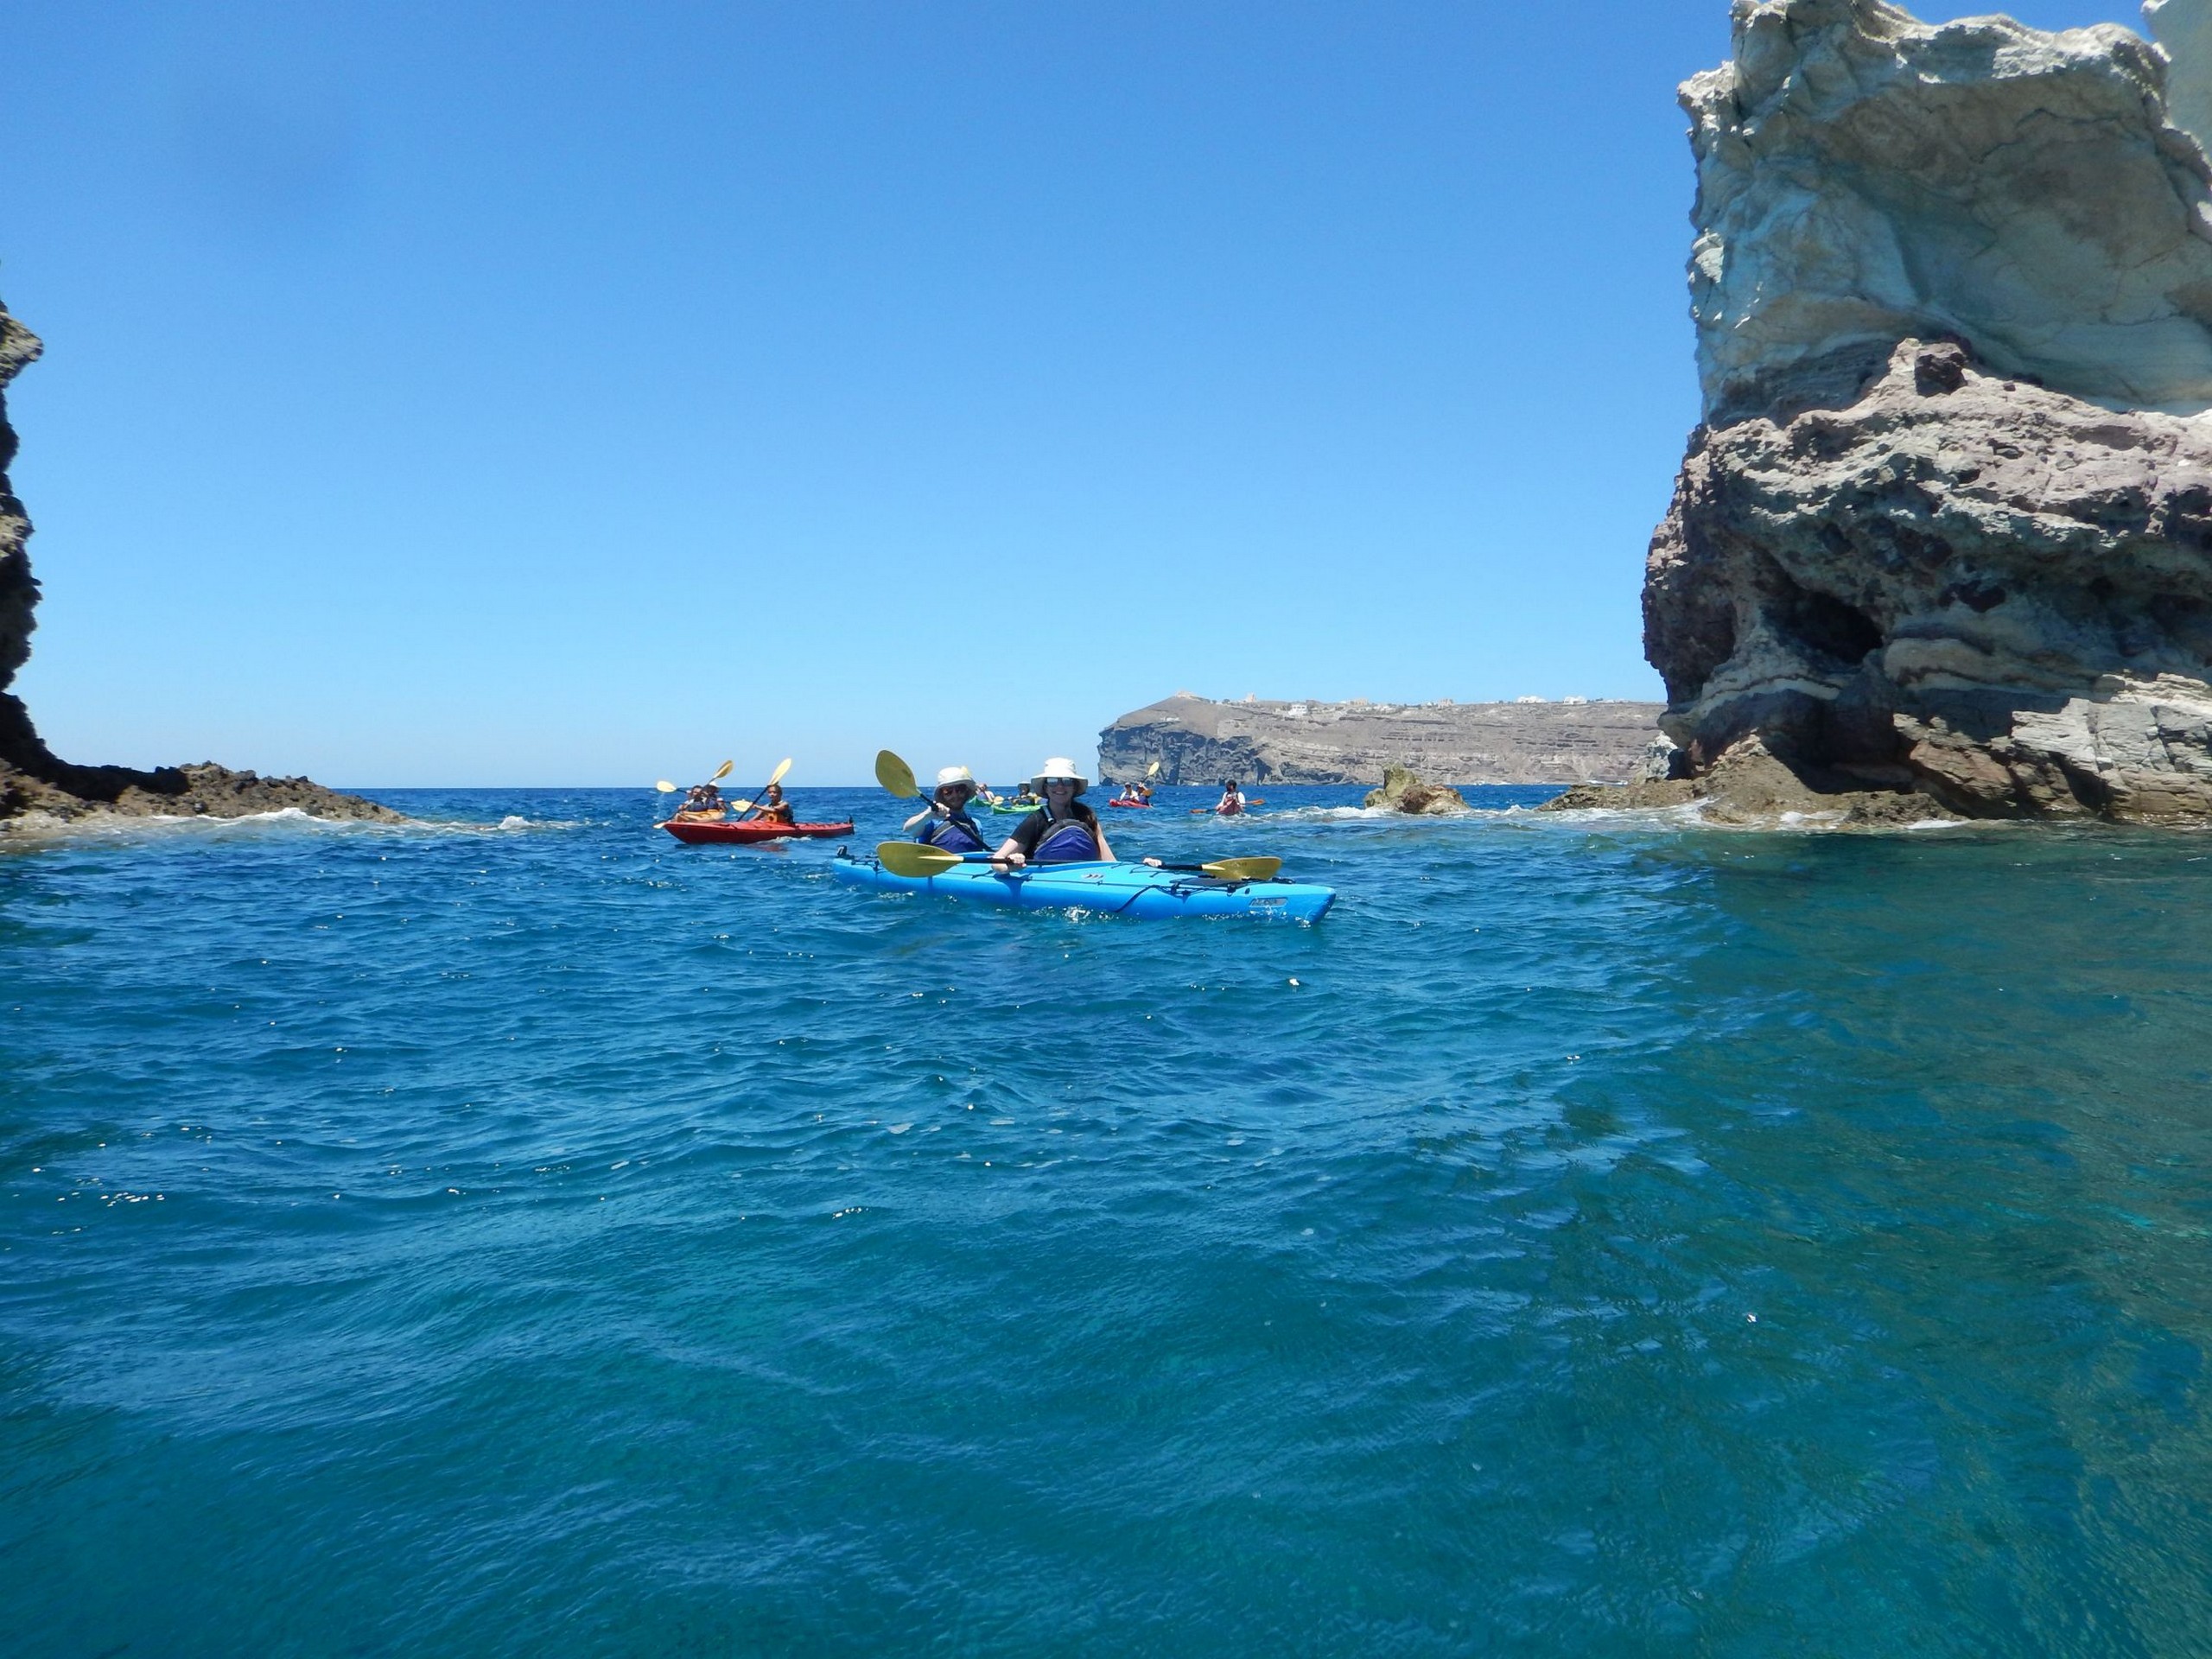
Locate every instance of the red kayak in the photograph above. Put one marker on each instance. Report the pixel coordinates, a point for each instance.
(707, 832)
(1145, 805)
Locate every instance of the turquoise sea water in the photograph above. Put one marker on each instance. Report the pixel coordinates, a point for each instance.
(521, 1235)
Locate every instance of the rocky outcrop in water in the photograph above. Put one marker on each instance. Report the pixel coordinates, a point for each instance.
(39, 790)
(1403, 792)
(1197, 740)
(1947, 527)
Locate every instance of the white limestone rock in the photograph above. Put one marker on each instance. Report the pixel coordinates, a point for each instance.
(2183, 29)
(1864, 178)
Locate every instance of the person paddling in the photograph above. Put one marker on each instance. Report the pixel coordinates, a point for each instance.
(1232, 799)
(772, 807)
(702, 801)
(946, 822)
(1063, 830)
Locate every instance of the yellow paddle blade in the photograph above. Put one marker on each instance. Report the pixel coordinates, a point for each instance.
(1244, 869)
(776, 776)
(896, 776)
(722, 771)
(739, 806)
(665, 787)
(1153, 771)
(912, 858)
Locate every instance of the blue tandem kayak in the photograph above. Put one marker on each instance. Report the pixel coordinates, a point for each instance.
(1110, 889)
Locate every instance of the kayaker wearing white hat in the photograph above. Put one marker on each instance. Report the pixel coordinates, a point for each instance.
(945, 821)
(1063, 830)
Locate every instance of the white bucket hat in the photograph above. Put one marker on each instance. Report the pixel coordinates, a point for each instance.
(957, 775)
(1059, 767)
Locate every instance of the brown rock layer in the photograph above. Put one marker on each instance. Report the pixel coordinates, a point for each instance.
(1960, 585)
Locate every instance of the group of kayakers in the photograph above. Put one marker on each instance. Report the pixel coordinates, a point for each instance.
(1061, 830)
(703, 803)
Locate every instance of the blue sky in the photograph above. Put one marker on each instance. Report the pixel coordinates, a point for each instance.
(557, 393)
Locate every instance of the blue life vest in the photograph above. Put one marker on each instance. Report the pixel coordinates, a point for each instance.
(955, 832)
(1066, 841)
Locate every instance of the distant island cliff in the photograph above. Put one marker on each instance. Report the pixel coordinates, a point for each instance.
(37, 787)
(1199, 740)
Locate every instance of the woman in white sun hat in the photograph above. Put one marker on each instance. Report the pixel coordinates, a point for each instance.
(945, 821)
(1063, 830)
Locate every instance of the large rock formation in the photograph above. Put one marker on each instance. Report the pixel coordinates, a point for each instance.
(1947, 528)
(1197, 740)
(37, 787)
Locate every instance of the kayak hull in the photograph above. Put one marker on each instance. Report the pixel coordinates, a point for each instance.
(1109, 889)
(1132, 806)
(710, 832)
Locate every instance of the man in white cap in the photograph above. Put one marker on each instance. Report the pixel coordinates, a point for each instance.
(1063, 830)
(945, 821)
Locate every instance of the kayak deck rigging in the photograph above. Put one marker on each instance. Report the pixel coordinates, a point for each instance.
(1113, 889)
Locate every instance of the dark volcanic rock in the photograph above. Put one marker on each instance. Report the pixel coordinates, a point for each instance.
(1946, 530)
(1961, 585)
(35, 784)
(19, 591)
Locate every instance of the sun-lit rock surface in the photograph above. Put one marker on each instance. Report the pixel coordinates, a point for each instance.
(2183, 29)
(1864, 178)
(1947, 528)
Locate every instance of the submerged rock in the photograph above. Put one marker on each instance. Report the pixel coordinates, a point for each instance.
(1403, 792)
(38, 789)
(1947, 528)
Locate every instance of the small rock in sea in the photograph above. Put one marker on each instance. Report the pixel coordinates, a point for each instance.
(1403, 792)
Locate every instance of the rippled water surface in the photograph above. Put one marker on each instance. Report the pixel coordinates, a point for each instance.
(521, 1235)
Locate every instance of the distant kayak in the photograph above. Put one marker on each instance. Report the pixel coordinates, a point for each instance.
(1110, 889)
(706, 832)
(1132, 806)
(1018, 812)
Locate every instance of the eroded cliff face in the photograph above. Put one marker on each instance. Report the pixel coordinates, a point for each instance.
(1959, 582)
(1947, 528)
(19, 591)
(1199, 740)
(37, 788)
